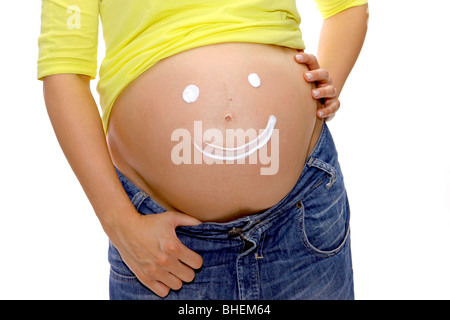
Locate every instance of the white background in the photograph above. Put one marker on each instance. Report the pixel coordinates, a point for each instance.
(391, 133)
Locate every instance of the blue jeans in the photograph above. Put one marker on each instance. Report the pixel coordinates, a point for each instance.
(298, 249)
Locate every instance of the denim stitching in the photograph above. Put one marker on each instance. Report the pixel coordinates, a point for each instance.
(119, 277)
(138, 199)
(326, 167)
(312, 249)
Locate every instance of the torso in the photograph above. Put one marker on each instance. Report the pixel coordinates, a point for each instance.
(151, 109)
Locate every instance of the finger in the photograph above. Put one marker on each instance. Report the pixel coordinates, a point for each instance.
(309, 59)
(173, 263)
(158, 288)
(324, 92)
(172, 281)
(319, 75)
(330, 117)
(170, 274)
(189, 257)
(329, 110)
(183, 272)
(161, 280)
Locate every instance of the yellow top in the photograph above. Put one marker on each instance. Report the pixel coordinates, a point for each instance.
(139, 33)
(329, 8)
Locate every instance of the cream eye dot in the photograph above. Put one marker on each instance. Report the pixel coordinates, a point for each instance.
(191, 93)
(254, 80)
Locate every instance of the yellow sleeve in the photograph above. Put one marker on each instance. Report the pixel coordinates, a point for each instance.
(69, 37)
(329, 8)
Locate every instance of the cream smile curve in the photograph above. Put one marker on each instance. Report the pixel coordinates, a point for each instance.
(243, 151)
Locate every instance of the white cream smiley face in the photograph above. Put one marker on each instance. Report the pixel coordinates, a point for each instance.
(191, 94)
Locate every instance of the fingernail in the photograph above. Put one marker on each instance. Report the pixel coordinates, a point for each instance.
(299, 57)
(309, 76)
(321, 114)
(316, 93)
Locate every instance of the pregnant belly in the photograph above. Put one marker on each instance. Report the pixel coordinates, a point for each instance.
(216, 132)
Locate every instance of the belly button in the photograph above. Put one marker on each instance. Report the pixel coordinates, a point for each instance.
(228, 117)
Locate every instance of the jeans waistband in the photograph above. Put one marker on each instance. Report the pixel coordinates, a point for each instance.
(323, 157)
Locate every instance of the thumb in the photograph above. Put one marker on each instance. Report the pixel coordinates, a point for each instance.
(183, 220)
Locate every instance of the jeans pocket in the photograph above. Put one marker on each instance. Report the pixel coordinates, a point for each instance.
(324, 218)
(119, 270)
